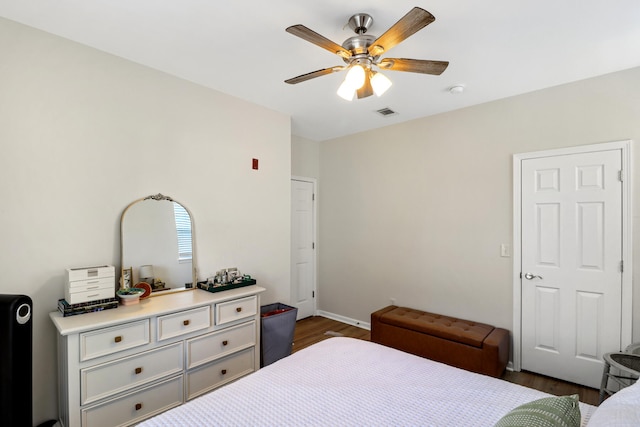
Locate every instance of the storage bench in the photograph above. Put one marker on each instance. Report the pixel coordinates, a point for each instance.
(465, 344)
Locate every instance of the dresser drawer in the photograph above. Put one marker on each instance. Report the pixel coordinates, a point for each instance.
(219, 344)
(112, 340)
(124, 374)
(215, 374)
(135, 407)
(184, 322)
(235, 310)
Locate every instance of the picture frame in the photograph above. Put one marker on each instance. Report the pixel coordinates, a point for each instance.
(127, 278)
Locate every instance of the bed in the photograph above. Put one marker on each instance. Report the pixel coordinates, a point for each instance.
(348, 382)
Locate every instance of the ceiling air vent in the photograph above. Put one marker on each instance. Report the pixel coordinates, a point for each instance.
(386, 112)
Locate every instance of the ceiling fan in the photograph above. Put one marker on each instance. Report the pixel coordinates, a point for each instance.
(362, 52)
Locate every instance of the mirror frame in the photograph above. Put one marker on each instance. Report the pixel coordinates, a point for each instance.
(194, 270)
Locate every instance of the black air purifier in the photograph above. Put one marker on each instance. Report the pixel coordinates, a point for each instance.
(16, 361)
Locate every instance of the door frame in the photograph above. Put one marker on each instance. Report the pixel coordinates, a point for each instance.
(627, 237)
(314, 220)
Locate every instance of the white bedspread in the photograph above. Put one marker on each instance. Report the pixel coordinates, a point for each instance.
(349, 382)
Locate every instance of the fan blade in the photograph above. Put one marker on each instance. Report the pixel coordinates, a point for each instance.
(408, 25)
(313, 75)
(315, 38)
(414, 65)
(366, 89)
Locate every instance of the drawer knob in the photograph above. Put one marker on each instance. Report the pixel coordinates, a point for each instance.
(138, 406)
(138, 371)
(225, 342)
(118, 338)
(186, 323)
(223, 372)
(239, 309)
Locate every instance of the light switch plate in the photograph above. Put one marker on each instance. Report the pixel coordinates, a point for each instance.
(505, 250)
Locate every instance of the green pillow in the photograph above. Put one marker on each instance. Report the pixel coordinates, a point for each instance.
(547, 412)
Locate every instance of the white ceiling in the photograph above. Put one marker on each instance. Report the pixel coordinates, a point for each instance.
(496, 49)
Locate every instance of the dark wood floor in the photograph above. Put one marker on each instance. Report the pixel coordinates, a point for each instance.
(314, 329)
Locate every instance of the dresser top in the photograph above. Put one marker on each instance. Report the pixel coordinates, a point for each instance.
(157, 305)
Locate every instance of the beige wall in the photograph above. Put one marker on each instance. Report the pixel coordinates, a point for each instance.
(83, 134)
(305, 157)
(417, 211)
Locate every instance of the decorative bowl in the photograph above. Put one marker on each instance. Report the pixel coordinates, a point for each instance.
(130, 296)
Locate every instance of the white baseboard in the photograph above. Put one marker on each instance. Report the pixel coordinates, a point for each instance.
(343, 319)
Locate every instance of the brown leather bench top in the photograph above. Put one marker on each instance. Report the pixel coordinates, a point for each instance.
(450, 328)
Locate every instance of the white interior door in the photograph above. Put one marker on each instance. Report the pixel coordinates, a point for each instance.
(303, 259)
(571, 274)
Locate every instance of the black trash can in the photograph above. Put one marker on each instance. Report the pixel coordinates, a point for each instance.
(276, 339)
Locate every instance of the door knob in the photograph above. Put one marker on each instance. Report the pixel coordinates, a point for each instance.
(530, 276)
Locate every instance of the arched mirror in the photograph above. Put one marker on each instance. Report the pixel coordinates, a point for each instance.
(157, 244)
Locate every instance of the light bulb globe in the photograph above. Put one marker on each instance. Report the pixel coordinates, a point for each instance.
(346, 91)
(355, 76)
(380, 83)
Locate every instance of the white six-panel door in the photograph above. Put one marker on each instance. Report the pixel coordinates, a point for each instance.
(303, 269)
(571, 264)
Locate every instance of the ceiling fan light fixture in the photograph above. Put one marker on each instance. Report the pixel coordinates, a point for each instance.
(353, 81)
(362, 51)
(380, 83)
(346, 91)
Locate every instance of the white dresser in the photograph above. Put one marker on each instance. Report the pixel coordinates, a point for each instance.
(117, 367)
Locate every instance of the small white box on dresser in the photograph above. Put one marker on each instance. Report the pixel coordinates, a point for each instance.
(90, 284)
